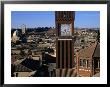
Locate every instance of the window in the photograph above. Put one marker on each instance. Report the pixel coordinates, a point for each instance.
(84, 62)
(81, 62)
(88, 64)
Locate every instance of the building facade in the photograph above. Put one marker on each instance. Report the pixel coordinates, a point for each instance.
(88, 60)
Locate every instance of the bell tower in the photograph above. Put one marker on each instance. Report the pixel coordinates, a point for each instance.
(64, 42)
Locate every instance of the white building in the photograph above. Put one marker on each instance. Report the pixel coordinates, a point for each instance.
(15, 36)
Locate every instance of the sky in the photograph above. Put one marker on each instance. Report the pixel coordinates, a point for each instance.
(32, 19)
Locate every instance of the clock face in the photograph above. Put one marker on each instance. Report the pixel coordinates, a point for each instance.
(66, 29)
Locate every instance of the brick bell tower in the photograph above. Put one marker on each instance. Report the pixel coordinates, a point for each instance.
(64, 42)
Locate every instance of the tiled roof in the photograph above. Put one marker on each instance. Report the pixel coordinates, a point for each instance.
(87, 52)
(31, 64)
(21, 68)
(97, 51)
(18, 61)
(15, 58)
(50, 59)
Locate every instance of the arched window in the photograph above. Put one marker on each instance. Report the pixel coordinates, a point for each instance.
(84, 62)
(81, 62)
(88, 64)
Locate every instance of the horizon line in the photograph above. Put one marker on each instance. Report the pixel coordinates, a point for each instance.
(54, 27)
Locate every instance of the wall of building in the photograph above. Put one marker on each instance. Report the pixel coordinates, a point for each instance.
(22, 74)
(84, 72)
